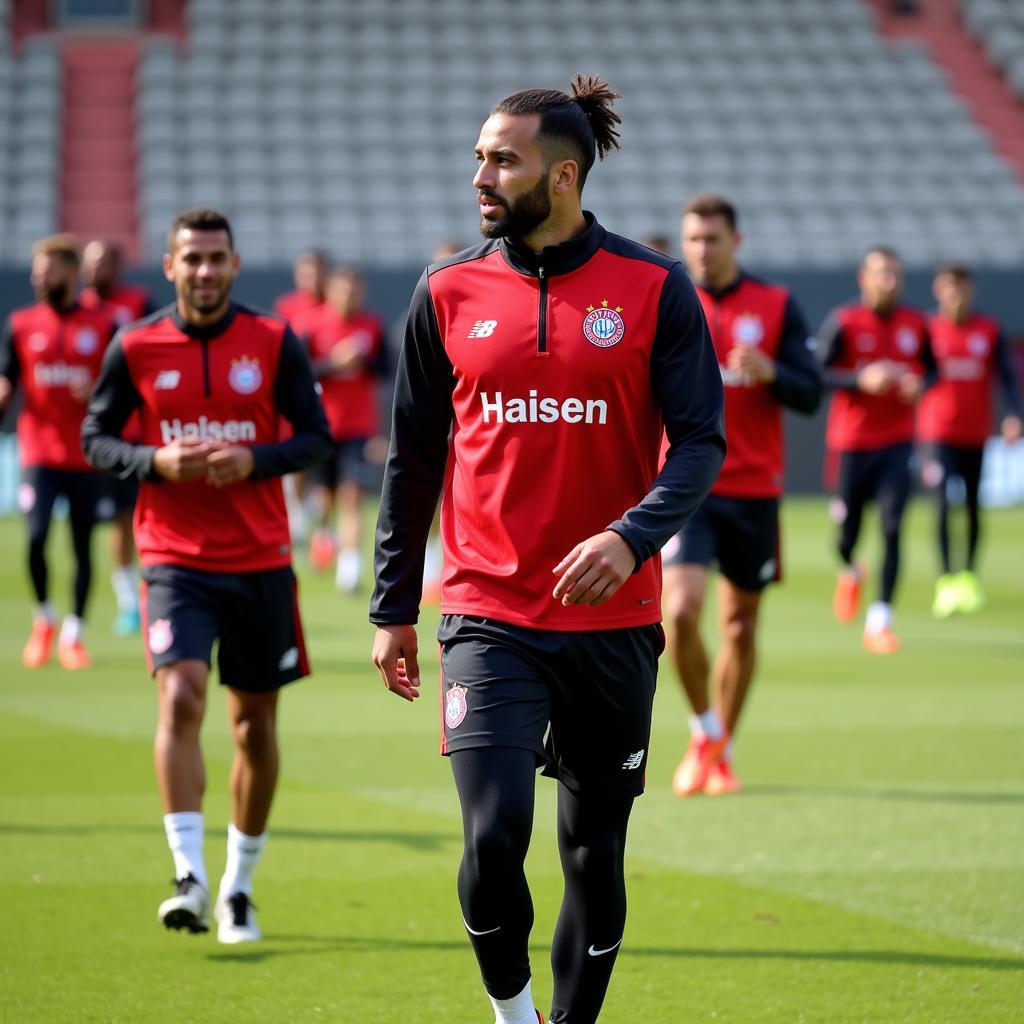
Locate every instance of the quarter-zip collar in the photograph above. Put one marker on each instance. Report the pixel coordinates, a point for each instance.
(209, 331)
(728, 289)
(553, 260)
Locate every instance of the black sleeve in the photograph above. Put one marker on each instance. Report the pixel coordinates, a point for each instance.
(931, 367)
(1007, 378)
(113, 400)
(687, 385)
(297, 400)
(10, 365)
(797, 381)
(415, 470)
(829, 340)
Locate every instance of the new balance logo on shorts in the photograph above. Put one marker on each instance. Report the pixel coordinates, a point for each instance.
(633, 761)
(482, 329)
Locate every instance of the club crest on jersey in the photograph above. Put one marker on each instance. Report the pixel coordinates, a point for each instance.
(604, 326)
(86, 341)
(977, 345)
(38, 341)
(245, 375)
(455, 705)
(906, 341)
(160, 636)
(748, 330)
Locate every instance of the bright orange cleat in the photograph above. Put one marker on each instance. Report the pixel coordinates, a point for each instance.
(883, 641)
(721, 780)
(692, 774)
(73, 655)
(321, 550)
(846, 599)
(40, 644)
(540, 1019)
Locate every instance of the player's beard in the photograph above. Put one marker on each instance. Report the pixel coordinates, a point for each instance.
(56, 296)
(522, 216)
(206, 306)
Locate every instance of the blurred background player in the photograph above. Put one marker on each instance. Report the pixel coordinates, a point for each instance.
(310, 276)
(876, 356)
(766, 357)
(955, 419)
(104, 289)
(53, 350)
(346, 345)
(213, 538)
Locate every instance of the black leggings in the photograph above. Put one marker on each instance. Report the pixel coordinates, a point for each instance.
(41, 488)
(496, 790)
(962, 464)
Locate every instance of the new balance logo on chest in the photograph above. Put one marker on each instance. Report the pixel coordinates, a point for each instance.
(482, 329)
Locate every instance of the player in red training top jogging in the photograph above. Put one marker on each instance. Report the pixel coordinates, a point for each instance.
(210, 381)
(346, 346)
(537, 373)
(310, 274)
(53, 350)
(766, 354)
(877, 360)
(104, 289)
(955, 420)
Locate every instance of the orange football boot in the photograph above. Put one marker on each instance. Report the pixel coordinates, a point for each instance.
(721, 780)
(692, 774)
(846, 598)
(73, 655)
(884, 641)
(321, 550)
(40, 644)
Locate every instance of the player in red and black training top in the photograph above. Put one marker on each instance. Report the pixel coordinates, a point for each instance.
(955, 420)
(537, 374)
(310, 275)
(877, 361)
(101, 275)
(52, 351)
(210, 381)
(346, 346)
(766, 355)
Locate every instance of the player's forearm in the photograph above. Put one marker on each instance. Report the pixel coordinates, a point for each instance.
(300, 451)
(797, 388)
(115, 456)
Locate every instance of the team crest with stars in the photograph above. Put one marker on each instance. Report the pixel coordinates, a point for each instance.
(603, 325)
(245, 375)
(455, 705)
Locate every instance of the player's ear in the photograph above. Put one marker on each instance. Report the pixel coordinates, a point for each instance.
(568, 174)
(168, 267)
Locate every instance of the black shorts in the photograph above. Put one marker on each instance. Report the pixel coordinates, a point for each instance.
(347, 461)
(581, 701)
(943, 462)
(883, 475)
(741, 535)
(253, 615)
(41, 486)
(119, 496)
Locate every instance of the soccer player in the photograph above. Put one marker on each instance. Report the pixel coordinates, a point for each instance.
(346, 345)
(210, 380)
(877, 359)
(955, 419)
(551, 355)
(310, 273)
(53, 351)
(104, 289)
(766, 354)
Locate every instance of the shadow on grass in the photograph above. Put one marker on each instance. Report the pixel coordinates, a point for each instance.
(420, 841)
(275, 946)
(880, 793)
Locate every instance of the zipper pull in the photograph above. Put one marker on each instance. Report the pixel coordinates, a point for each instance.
(540, 271)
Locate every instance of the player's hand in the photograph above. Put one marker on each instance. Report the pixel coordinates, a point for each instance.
(346, 357)
(81, 388)
(5, 391)
(229, 464)
(910, 387)
(594, 569)
(1011, 429)
(876, 378)
(752, 363)
(394, 653)
(183, 459)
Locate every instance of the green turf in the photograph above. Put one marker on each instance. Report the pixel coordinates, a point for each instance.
(872, 871)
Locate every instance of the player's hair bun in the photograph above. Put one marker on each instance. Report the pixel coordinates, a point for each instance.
(595, 97)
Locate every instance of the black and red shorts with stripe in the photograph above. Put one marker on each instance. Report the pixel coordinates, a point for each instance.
(253, 617)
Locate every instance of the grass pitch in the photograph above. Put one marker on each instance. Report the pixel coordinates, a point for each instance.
(872, 871)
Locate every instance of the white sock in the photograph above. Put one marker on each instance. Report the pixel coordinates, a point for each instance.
(517, 1010)
(46, 611)
(71, 629)
(126, 588)
(879, 617)
(185, 838)
(707, 724)
(244, 854)
(347, 575)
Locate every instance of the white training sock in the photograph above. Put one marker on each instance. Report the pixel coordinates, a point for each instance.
(244, 854)
(185, 838)
(71, 629)
(126, 588)
(707, 724)
(347, 575)
(879, 617)
(46, 611)
(517, 1010)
